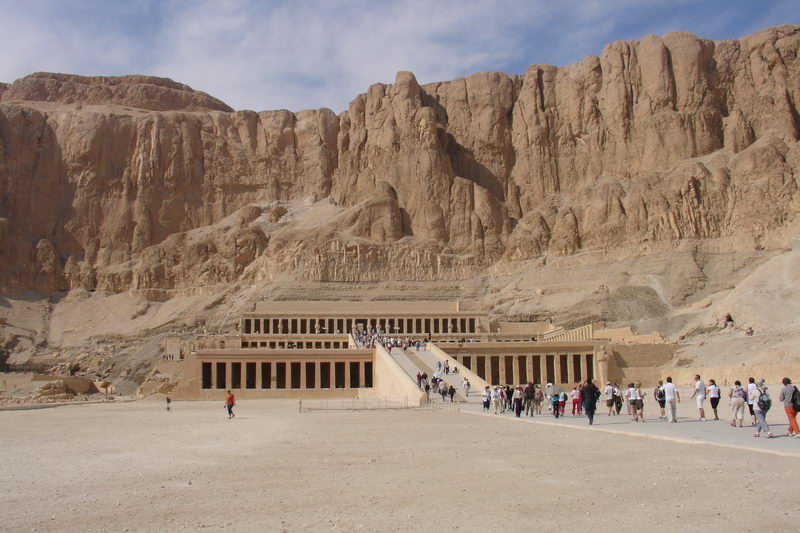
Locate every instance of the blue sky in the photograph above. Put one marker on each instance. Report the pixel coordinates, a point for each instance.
(274, 54)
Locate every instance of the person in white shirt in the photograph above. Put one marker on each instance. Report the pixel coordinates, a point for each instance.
(671, 395)
(465, 385)
(713, 396)
(496, 400)
(700, 395)
(609, 392)
(751, 386)
(486, 397)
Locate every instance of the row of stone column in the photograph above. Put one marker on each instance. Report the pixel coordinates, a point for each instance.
(579, 367)
(302, 345)
(302, 326)
(266, 375)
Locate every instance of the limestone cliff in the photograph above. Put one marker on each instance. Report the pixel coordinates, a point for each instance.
(140, 182)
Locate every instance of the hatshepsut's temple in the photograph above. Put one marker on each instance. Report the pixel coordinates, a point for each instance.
(374, 349)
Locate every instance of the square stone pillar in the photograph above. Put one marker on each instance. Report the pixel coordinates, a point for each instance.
(273, 379)
(317, 375)
(213, 374)
(570, 372)
(529, 367)
(362, 374)
(573, 358)
(258, 375)
(515, 369)
(302, 375)
(543, 369)
(347, 374)
(557, 369)
(502, 369)
(228, 376)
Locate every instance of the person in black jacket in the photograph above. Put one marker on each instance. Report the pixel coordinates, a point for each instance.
(590, 393)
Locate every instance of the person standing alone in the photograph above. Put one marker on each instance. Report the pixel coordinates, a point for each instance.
(230, 401)
(590, 394)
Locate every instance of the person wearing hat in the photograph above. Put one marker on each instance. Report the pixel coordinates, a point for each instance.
(761, 421)
(609, 392)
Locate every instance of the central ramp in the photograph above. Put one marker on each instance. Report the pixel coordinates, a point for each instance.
(428, 360)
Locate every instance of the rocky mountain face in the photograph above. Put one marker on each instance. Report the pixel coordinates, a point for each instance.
(142, 183)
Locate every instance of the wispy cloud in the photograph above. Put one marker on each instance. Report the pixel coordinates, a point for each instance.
(288, 54)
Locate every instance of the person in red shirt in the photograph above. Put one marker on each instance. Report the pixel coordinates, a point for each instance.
(230, 401)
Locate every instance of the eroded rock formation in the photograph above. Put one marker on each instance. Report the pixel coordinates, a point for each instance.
(139, 182)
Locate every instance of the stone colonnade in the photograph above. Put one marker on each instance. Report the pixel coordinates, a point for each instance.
(288, 374)
(537, 368)
(391, 325)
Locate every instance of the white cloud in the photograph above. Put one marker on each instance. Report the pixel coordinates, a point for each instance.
(313, 53)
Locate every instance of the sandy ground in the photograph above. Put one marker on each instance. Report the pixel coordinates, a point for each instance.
(136, 467)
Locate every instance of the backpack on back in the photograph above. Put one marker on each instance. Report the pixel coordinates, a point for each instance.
(764, 401)
(796, 400)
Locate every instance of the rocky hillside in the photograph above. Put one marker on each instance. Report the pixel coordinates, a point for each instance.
(140, 182)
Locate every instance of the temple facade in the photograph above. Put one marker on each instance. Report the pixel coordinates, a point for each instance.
(316, 349)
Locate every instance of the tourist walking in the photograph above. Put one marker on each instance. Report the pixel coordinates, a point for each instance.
(576, 401)
(590, 394)
(538, 398)
(562, 401)
(419, 380)
(517, 399)
(751, 386)
(451, 391)
(658, 395)
(230, 401)
(790, 399)
(169, 401)
(609, 392)
(496, 400)
(618, 399)
(446, 366)
(555, 394)
(761, 404)
(640, 401)
(486, 398)
(671, 396)
(529, 393)
(737, 395)
(465, 385)
(699, 395)
(713, 397)
(630, 400)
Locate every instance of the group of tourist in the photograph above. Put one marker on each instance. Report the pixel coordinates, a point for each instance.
(370, 339)
(755, 398)
(435, 385)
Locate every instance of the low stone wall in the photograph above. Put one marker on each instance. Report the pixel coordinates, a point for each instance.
(723, 375)
(390, 381)
(475, 381)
